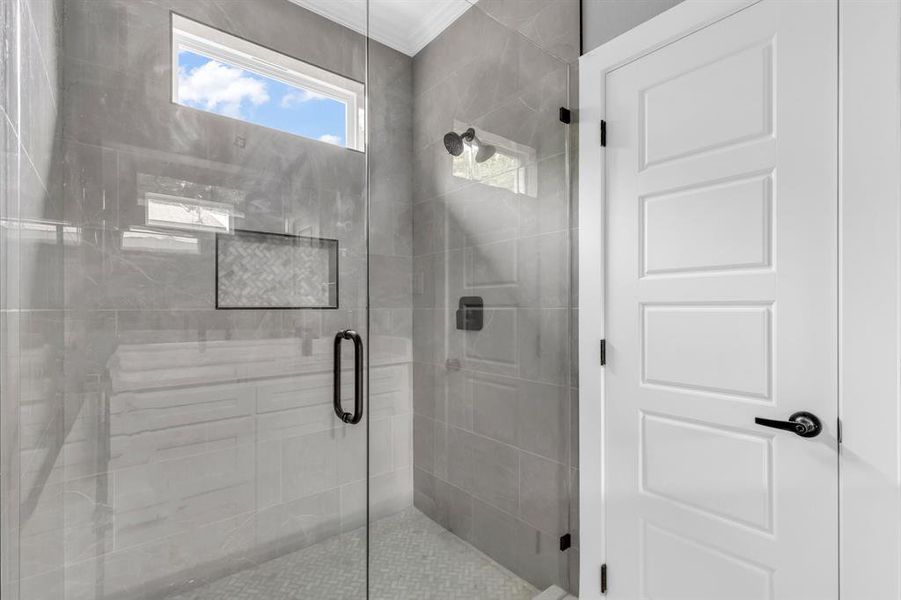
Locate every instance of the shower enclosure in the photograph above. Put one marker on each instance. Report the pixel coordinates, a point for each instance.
(261, 334)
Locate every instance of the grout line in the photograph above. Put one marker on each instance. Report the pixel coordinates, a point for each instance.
(518, 449)
(485, 502)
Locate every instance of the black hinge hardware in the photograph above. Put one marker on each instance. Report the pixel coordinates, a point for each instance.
(566, 115)
(566, 540)
(604, 133)
(838, 429)
(603, 352)
(604, 578)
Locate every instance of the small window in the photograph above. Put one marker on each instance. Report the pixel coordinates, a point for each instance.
(226, 75)
(146, 240)
(187, 213)
(51, 232)
(511, 167)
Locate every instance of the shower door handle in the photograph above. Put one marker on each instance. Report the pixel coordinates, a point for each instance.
(357, 415)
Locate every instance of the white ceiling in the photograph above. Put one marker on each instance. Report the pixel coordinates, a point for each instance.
(405, 25)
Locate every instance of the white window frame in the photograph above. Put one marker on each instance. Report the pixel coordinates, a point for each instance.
(217, 208)
(527, 172)
(231, 50)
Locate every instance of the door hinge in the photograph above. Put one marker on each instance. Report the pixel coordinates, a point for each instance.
(603, 352)
(838, 430)
(566, 541)
(566, 115)
(604, 578)
(603, 133)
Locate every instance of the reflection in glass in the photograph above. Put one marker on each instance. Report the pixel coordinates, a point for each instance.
(187, 213)
(51, 232)
(156, 241)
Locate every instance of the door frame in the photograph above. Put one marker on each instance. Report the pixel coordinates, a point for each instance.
(869, 270)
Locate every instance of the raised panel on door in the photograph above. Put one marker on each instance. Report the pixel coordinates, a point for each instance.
(721, 291)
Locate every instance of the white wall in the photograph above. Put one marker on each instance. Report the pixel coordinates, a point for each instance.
(870, 297)
(603, 20)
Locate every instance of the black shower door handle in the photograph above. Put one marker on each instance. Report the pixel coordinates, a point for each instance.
(357, 415)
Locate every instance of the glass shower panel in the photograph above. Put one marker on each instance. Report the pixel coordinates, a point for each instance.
(490, 254)
(184, 236)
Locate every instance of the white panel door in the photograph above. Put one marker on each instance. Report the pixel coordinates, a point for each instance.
(721, 308)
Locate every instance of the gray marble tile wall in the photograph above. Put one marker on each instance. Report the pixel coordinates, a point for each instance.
(148, 439)
(391, 197)
(9, 289)
(494, 410)
(31, 385)
(390, 261)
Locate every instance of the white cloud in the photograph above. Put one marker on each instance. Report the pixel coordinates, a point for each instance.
(330, 139)
(220, 88)
(298, 96)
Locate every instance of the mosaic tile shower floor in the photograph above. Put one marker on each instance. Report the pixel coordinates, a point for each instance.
(413, 558)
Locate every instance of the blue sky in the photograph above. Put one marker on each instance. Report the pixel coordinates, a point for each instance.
(227, 90)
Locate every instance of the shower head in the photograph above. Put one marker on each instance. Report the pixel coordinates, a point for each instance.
(485, 152)
(455, 143)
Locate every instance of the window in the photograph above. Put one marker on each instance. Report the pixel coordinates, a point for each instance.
(187, 213)
(147, 240)
(223, 74)
(512, 167)
(52, 232)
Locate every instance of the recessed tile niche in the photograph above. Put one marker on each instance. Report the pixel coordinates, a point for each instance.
(270, 270)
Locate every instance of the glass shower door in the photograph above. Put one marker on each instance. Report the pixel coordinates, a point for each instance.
(185, 249)
(493, 397)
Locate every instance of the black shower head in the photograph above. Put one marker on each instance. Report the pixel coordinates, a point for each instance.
(454, 142)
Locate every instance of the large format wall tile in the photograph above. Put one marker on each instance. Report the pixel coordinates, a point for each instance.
(32, 413)
(9, 81)
(485, 468)
(444, 503)
(524, 550)
(551, 25)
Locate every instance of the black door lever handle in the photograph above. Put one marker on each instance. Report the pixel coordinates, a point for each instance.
(801, 423)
